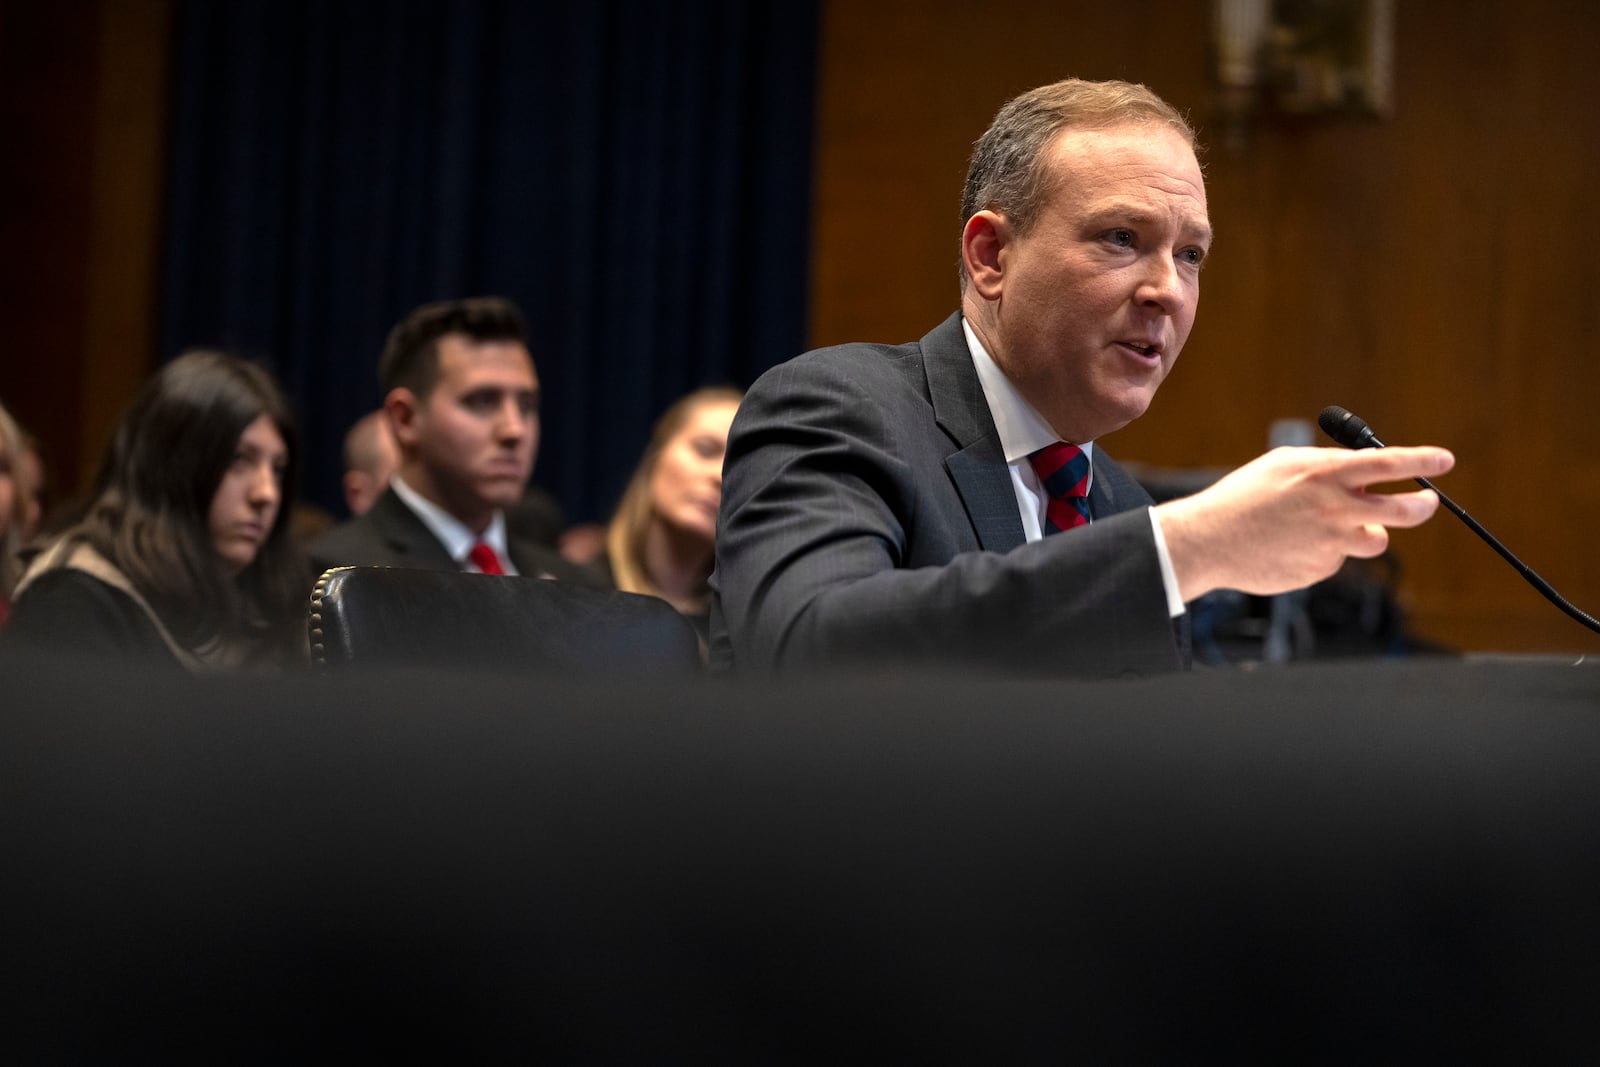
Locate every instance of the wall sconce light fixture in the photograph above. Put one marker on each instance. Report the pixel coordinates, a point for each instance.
(1302, 58)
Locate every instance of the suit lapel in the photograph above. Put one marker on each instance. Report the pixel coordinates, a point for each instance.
(1114, 489)
(406, 535)
(978, 467)
(1102, 492)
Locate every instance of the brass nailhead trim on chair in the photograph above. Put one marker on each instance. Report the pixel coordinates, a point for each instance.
(319, 651)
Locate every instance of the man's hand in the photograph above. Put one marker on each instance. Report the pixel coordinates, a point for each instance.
(1290, 517)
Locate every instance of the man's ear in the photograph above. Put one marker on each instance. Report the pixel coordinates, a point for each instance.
(982, 240)
(403, 410)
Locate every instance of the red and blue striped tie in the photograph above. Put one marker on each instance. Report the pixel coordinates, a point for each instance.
(1063, 470)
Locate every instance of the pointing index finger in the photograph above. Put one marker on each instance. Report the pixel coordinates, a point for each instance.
(1373, 465)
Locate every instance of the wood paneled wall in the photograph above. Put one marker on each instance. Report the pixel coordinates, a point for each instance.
(1431, 272)
(84, 91)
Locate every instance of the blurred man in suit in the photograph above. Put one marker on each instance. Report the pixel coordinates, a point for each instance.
(891, 503)
(461, 396)
(370, 457)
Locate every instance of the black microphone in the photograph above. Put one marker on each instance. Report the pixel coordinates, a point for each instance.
(1351, 432)
(1345, 428)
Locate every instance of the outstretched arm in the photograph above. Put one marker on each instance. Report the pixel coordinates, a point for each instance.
(1289, 518)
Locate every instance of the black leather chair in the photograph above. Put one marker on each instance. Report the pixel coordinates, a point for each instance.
(388, 617)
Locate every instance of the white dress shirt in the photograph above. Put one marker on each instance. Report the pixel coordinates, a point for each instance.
(1023, 431)
(456, 538)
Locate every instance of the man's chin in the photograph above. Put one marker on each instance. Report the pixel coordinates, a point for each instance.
(1108, 418)
(502, 492)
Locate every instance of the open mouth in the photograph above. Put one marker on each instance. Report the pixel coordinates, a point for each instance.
(1146, 350)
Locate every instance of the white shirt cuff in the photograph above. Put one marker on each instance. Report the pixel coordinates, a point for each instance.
(1168, 577)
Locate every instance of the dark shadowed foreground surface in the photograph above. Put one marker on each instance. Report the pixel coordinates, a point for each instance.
(1374, 860)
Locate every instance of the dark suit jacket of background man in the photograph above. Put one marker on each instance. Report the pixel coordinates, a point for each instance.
(868, 516)
(391, 535)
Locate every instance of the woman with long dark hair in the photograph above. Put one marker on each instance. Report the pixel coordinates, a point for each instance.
(184, 553)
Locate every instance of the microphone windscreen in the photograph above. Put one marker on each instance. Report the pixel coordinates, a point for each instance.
(1345, 428)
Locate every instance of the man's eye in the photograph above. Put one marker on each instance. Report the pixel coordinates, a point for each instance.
(1120, 238)
(1194, 256)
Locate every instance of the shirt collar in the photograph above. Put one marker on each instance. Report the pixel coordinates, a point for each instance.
(452, 533)
(1023, 431)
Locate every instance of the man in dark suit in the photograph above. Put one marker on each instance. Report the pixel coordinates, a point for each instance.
(462, 398)
(885, 504)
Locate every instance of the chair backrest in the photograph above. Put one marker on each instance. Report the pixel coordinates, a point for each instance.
(395, 617)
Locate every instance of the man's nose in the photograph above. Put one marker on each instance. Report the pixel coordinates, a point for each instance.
(1163, 285)
(514, 421)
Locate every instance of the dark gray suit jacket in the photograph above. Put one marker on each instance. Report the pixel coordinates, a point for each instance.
(391, 535)
(868, 517)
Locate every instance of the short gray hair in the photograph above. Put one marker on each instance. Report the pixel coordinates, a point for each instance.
(1008, 171)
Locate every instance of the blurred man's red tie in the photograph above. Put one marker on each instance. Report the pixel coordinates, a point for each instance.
(485, 559)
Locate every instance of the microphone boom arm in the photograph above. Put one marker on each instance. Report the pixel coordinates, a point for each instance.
(1351, 432)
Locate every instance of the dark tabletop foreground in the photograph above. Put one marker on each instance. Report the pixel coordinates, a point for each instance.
(1370, 860)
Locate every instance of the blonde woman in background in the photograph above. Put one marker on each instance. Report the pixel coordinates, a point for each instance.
(14, 497)
(662, 538)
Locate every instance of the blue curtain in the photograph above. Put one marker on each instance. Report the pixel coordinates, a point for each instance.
(636, 176)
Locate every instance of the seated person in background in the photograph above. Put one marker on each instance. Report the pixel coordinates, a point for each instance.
(662, 538)
(33, 476)
(14, 496)
(183, 555)
(584, 543)
(369, 457)
(369, 461)
(462, 400)
(947, 503)
(538, 516)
